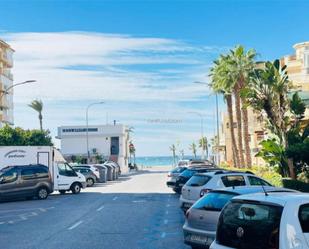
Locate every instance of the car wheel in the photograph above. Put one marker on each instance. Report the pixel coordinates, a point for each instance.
(90, 182)
(62, 192)
(75, 188)
(42, 193)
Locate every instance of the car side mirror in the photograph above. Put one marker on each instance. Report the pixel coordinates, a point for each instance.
(1, 180)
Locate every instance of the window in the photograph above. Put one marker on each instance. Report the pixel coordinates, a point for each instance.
(233, 180)
(242, 225)
(178, 170)
(42, 172)
(8, 176)
(214, 201)
(27, 174)
(66, 170)
(303, 216)
(257, 181)
(198, 180)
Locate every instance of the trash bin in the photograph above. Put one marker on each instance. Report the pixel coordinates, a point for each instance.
(103, 173)
(110, 173)
(116, 167)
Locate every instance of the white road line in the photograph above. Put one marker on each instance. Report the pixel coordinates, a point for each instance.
(100, 208)
(165, 222)
(166, 212)
(115, 198)
(139, 201)
(168, 205)
(163, 235)
(75, 225)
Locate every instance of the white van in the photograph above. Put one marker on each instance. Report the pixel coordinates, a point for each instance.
(63, 176)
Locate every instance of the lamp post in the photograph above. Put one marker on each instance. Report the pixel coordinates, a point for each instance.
(6, 91)
(217, 117)
(202, 132)
(87, 134)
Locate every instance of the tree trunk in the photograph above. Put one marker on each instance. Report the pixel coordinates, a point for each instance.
(246, 135)
(291, 168)
(41, 122)
(239, 128)
(231, 126)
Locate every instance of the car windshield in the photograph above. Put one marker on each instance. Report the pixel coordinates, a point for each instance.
(188, 173)
(242, 224)
(214, 201)
(198, 180)
(178, 170)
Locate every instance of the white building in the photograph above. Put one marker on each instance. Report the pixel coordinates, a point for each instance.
(109, 141)
(6, 81)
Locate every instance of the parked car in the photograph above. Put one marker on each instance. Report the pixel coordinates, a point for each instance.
(202, 218)
(172, 176)
(91, 167)
(187, 174)
(25, 182)
(202, 183)
(264, 221)
(183, 163)
(91, 178)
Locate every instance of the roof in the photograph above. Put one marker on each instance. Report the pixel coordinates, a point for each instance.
(242, 190)
(225, 172)
(275, 198)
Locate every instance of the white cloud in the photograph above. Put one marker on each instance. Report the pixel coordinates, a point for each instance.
(149, 75)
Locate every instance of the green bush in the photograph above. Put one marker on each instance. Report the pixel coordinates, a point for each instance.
(295, 184)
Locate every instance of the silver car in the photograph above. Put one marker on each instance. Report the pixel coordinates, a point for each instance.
(172, 176)
(202, 218)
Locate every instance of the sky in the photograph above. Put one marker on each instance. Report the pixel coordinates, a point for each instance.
(140, 57)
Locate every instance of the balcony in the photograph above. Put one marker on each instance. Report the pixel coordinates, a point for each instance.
(7, 58)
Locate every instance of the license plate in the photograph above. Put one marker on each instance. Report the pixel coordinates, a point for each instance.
(187, 205)
(201, 239)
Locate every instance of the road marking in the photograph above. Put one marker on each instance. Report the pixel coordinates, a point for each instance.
(24, 209)
(75, 225)
(163, 235)
(168, 205)
(139, 201)
(166, 212)
(115, 198)
(165, 222)
(100, 208)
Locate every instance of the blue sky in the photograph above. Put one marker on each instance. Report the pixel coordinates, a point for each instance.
(139, 56)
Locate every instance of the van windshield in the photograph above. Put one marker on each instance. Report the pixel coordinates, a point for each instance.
(243, 224)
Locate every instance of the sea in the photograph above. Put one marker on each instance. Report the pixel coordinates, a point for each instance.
(157, 160)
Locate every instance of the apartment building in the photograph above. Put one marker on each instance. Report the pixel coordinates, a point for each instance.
(298, 72)
(6, 80)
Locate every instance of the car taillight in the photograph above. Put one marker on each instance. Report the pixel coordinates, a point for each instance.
(204, 192)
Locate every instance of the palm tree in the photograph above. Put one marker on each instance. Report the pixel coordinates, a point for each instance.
(173, 149)
(268, 94)
(241, 66)
(193, 148)
(203, 144)
(37, 105)
(221, 82)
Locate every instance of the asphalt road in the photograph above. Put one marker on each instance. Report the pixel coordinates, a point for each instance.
(134, 212)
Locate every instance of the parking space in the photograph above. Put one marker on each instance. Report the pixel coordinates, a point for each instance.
(137, 211)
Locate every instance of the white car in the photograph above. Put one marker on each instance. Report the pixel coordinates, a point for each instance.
(202, 183)
(264, 221)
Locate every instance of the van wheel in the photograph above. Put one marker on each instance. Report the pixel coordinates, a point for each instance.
(62, 192)
(90, 182)
(75, 188)
(42, 193)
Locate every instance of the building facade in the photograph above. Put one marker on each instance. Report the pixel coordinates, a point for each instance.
(6, 80)
(109, 141)
(298, 72)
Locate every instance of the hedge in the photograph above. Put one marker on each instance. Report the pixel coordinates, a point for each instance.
(295, 184)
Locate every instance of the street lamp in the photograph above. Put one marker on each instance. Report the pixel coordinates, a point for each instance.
(202, 131)
(87, 135)
(6, 91)
(217, 117)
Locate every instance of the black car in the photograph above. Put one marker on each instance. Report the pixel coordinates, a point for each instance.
(26, 181)
(187, 174)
